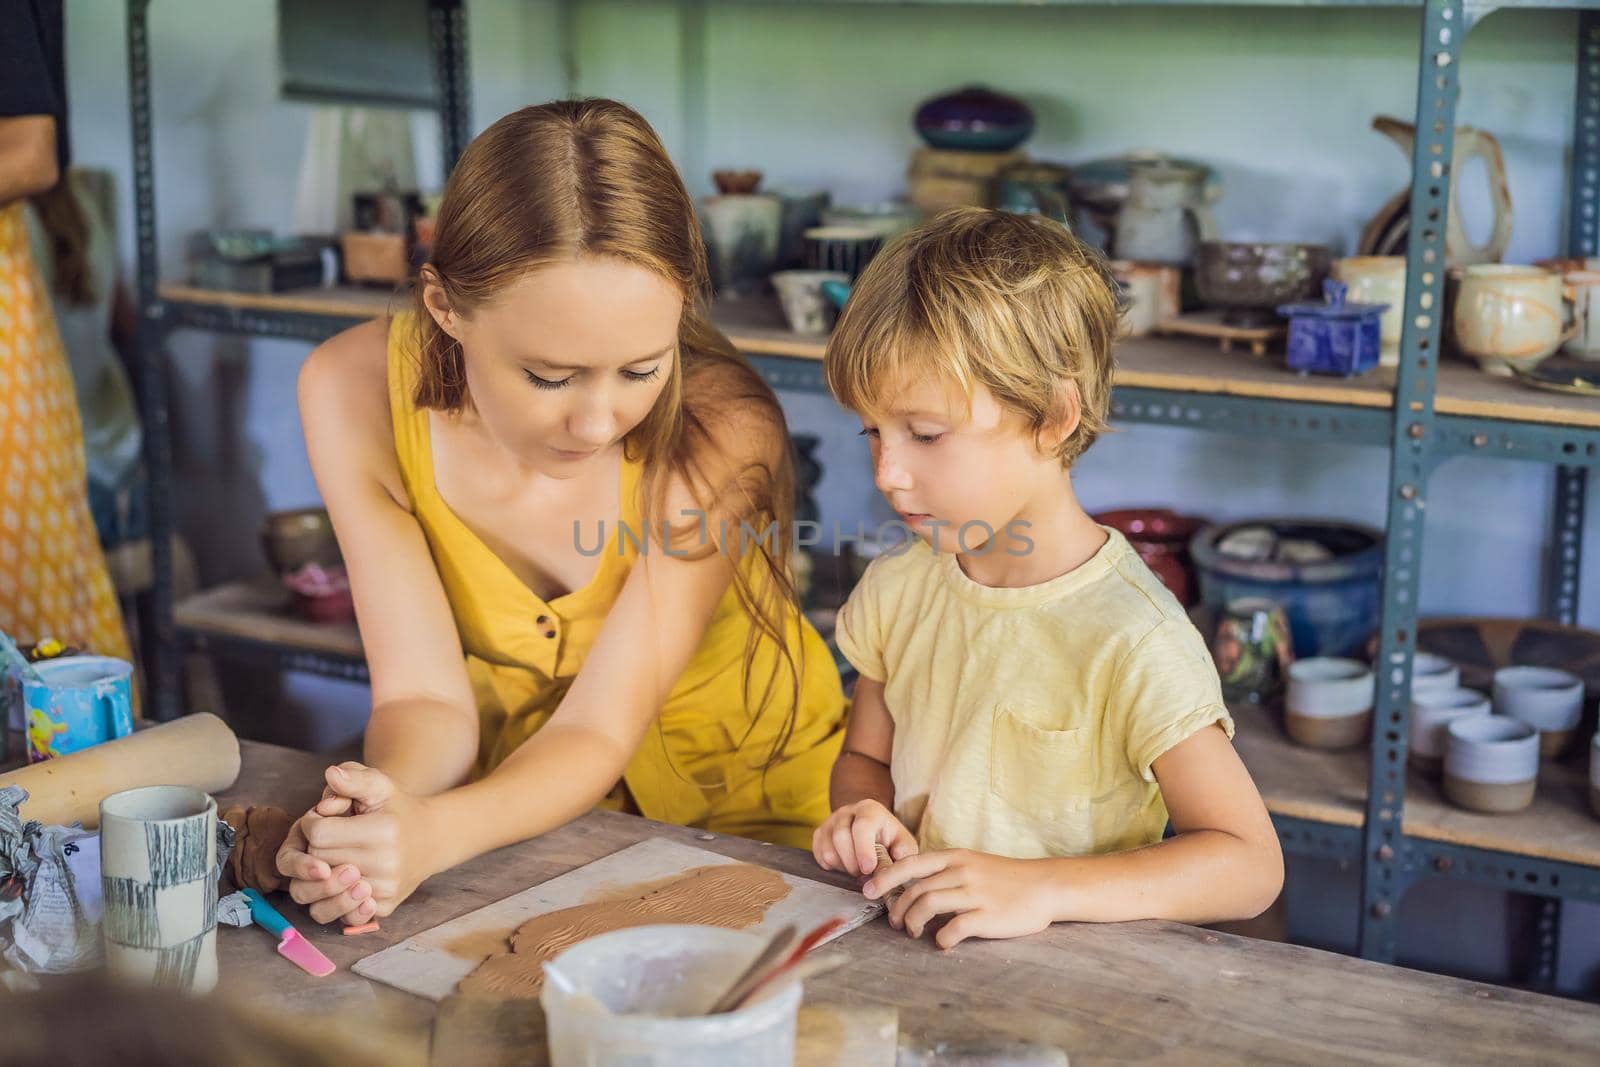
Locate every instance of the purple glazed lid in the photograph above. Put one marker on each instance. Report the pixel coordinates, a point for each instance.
(1334, 306)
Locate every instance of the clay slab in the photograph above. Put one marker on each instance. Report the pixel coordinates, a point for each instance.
(431, 963)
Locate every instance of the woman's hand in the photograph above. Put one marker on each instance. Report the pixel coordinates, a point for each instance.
(990, 896)
(845, 841)
(387, 835)
(330, 892)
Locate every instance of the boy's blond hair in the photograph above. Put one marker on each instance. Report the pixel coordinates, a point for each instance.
(974, 296)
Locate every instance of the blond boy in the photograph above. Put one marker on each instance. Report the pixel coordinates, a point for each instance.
(1033, 704)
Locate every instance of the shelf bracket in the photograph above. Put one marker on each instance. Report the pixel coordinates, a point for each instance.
(447, 20)
(1410, 462)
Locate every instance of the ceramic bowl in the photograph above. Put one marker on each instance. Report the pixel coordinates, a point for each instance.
(1491, 763)
(1549, 700)
(1509, 317)
(1433, 674)
(1432, 711)
(1248, 280)
(291, 539)
(806, 307)
(1329, 703)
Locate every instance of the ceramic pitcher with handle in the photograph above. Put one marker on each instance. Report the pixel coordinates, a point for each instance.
(1470, 143)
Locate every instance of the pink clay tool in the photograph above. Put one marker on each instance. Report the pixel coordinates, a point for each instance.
(294, 948)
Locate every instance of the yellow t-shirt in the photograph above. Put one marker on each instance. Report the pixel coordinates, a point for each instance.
(1026, 720)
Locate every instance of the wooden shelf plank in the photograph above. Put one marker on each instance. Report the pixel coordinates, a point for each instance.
(263, 611)
(1331, 787)
(1187, 365)
(354, 301)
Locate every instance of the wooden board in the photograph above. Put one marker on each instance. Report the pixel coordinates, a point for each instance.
(479, 1032)
(263, 611)
(1138, 992)
(1331, 787)
(426, 966)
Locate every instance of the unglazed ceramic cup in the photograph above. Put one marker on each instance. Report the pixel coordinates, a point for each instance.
(1508, 316)
(1432, 711)
(1433, 674)
(1491, 763)
(1378, 280)
(1329, 702)
(158, 879)
(1547, 699)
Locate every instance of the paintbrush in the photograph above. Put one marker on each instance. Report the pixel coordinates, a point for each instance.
(765, 960)
(788, 963)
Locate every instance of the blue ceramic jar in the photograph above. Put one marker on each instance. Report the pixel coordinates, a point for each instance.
(1333, 337)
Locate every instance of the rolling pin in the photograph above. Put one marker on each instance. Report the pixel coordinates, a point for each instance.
(197, 750)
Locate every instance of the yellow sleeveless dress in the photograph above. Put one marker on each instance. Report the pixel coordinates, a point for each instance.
(702, 763)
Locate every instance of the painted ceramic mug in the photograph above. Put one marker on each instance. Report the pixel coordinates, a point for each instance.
(1510, 317)
(1378, 280)
(805, 306)
(77, 702)
(158, 878)
(1253, 649)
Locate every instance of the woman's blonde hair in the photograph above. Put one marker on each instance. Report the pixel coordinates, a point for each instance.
(972, 297)
(591, 178)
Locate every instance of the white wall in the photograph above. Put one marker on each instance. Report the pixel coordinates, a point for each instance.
(822, 95)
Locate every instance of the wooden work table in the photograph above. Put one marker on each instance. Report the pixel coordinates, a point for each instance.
(1134, 992)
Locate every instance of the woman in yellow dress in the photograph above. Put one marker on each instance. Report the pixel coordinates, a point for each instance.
(564, 502)
(53, 577)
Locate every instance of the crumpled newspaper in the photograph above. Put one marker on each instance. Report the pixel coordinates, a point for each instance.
(50, 901)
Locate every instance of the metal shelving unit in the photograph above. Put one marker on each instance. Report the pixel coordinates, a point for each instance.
(1439, 415)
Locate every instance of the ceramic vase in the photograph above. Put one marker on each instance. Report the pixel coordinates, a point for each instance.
(742, 232)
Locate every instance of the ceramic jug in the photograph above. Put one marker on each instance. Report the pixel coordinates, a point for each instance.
(1165, 216)
(1386, 233)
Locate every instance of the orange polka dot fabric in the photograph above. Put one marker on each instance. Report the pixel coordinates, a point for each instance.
(53, 577)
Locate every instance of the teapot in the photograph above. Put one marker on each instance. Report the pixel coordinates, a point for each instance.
(1166, 215)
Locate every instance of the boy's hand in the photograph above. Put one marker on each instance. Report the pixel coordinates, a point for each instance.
(990, 896)
(845, 842)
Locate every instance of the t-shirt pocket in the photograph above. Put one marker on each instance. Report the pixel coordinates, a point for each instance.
(1046, 774)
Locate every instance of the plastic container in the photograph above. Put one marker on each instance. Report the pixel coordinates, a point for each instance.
(1332, 604)
(632, 988)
